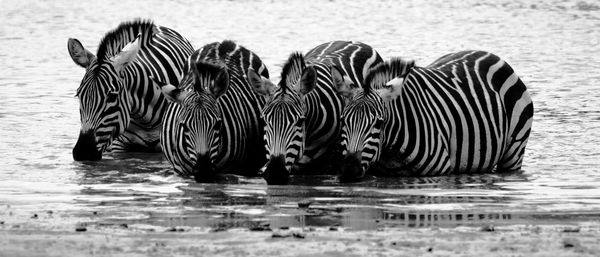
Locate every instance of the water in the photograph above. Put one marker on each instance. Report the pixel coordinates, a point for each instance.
(553, 45)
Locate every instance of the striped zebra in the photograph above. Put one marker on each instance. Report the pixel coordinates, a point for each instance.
(302, 116)
(212, 125)
(467, 112)
(120, 109)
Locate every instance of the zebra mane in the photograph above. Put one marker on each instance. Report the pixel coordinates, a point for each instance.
(292, 70)
(384, 72)
(115, 40)
(205, 73)
(226, 47)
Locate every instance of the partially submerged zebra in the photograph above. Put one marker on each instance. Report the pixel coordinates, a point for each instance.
(467, 112)
(302, 117)
(120, 108)
(212, 125)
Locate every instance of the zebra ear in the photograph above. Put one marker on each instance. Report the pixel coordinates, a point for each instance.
(172, 93)
(343, 84)
(391, 90)
(78, 53)
(260, 84)
(127, 55)
(220, 85)
(307, 82)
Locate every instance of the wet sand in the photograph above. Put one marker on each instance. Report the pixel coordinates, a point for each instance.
(582, 239)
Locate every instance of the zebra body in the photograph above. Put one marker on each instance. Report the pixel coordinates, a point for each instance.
(302, 116)
(213, 125)
(467, 112)
(121, 110)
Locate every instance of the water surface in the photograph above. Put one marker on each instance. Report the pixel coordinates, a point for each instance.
(553, 45)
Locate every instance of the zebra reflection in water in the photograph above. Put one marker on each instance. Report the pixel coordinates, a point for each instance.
(406, 202)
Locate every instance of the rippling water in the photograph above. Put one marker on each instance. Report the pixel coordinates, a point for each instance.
(553, 45)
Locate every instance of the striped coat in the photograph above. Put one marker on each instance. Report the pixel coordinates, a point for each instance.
(302, 117)
(213, 124)
(467, 112)
(120, 108)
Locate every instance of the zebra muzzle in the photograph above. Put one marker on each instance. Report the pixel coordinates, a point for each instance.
(275, 172)
(204, 170)
(85, 148)
(350, 169)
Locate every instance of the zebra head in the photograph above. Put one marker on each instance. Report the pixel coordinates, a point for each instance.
(367, 115)
(195, 131)
(285, 112)
(103, 97)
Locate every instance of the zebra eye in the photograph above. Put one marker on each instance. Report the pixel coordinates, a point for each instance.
(218, 124)
(300, 121)
(378, 122)
(112, 97)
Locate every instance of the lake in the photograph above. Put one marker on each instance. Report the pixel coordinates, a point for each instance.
(553, 45)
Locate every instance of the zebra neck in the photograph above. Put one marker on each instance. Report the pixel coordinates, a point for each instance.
(394, 132)
(147, 105)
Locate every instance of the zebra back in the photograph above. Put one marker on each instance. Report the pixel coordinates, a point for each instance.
(353, 58)
(324, 105)
(467, 112)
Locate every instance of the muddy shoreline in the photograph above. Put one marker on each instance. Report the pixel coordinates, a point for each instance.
(581, 239)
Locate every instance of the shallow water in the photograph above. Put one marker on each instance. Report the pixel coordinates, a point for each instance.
(553, 45)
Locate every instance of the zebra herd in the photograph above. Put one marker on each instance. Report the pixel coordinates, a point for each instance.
(340, 108)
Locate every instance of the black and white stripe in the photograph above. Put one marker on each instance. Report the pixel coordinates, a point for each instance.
(213, 124)
(302, 117)
(121, 110)
(467, 112)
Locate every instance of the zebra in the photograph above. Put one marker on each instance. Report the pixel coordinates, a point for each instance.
(302, 115)
(120, 109)
(467, 112)
(212, 124)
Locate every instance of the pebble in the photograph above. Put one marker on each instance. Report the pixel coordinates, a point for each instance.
(80, 229)
(572, 230)
(299, 235)
(124, 225)
(218, 229)
(261, 227)
(488, 228)
(304, 203)
(333, 228)
(571, 242)
(280, 234)
(35, 216)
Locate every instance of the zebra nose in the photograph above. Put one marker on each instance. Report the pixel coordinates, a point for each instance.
(275, 172)
(204, 170)
(85, 148)
(350, 169)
